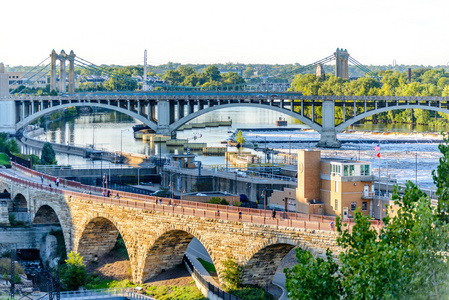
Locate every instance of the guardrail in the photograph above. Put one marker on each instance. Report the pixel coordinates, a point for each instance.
(206, 284)
(104, 293)
(190, 208)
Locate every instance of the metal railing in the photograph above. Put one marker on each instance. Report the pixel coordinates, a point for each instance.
(206, 284)
(189, 208)
(105, 293)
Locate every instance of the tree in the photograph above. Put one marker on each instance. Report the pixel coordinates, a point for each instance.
(240, 139)
(73, 274)
(313, 278)
(406, 260)
(48, 156)
(12, 146)
(231, 273)
(212, 73)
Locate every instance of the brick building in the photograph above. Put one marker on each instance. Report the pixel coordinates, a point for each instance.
(328, 186)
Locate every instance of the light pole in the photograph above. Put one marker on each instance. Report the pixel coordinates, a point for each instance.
(93, 135)
(121, 142)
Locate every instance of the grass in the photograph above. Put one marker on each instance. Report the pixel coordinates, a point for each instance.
(4, 160)
(208, 266)
(172, 292)
(251, 293)
(160, 292)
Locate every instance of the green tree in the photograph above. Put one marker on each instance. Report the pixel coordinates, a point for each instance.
(12, 146)
(48, 156)
(212, 73)
(73, 274)
(231, 274)
(313, 278)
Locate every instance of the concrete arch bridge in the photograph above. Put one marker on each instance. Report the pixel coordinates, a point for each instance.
(156, 236)
(165, 112)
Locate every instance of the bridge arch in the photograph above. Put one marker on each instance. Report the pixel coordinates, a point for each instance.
(261, 267)
(97, 236)
(31, 118)
(167, 250)
(174, 126)
(340, 127)
(20, 203)
(46, 215)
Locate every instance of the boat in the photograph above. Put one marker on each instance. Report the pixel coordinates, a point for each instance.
(281, 122)
(140, 127)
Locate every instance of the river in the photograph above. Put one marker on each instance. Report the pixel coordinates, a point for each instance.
(413, 160)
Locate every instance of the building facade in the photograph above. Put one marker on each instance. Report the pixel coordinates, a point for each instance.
(328, 187)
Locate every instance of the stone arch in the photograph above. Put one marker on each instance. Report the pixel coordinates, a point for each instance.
(46, 215)
(260, 268)
(98, 237)
(167, 250)
(19, 203)
(315, 126)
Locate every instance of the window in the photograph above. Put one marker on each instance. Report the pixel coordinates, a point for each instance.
(336, 204)
(364, 205)
(351, 170)
(345, 171)
(336, 186)
(353, 206)
(364, 170)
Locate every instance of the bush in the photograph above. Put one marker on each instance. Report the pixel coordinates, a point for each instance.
(232, 274)
(73, 274)
(251, 293)
(218, 200)
(5, 263)
(48, 156)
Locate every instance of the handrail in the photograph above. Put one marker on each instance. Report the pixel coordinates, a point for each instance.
(191, 208)
(206, 284)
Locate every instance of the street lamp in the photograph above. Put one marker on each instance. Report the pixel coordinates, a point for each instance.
(121, 143)
(93, 135)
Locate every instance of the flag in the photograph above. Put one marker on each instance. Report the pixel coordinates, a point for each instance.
(377, 147)
(378, 154)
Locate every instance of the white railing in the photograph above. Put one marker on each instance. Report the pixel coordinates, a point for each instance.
(105, 293)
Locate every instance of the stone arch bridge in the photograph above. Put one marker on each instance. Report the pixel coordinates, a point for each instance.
(165, 112)
(156, 236)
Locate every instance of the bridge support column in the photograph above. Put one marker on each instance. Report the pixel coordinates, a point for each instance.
(71, 58)
(7, 106)
(62, 72)
(328, 134)
(53, 57)
(163, 117)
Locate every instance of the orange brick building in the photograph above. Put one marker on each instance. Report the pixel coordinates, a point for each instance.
(328, 186)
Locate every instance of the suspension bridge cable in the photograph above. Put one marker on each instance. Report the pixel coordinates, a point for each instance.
(31, 70)
(28, 79)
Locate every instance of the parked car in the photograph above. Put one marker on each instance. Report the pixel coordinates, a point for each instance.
(160, 193)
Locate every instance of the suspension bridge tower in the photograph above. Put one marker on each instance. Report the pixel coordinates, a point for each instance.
(62, 57)
(341, 63)
(7, 107)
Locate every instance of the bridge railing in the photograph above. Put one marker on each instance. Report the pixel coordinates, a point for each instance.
(191, 208)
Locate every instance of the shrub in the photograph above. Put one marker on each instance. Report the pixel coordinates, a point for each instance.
(231, 274)
(73, 274)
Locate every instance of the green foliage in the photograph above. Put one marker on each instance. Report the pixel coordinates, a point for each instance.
(218, 200)
(406, 260)
(231, 274)
(4, 160)
(207, 265)
(35, 160)
(13, 221)
(73, 274)
(313, 279)
(12, 146)
(441, 179)
(61, 250)
(48, 156)
(5, 264)
(172, 292)
(121, 247)
(97, 282)
(251, 293)
(240, 138)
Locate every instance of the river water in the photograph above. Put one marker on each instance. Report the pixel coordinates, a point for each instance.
(407, 152)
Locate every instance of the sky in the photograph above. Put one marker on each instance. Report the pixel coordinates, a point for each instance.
(409, 32)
